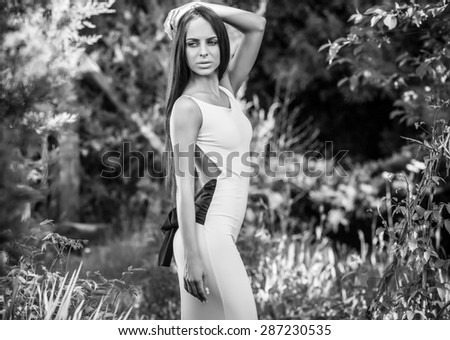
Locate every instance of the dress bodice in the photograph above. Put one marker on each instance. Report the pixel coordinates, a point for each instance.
(225, 136)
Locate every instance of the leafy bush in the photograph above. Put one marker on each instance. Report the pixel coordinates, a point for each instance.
(400, 48)
(31, 291)
(415, 283)
(42, 45)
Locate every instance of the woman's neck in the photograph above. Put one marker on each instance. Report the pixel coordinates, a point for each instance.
(208, 84)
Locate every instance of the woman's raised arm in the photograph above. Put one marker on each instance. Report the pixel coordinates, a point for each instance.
(252, 26)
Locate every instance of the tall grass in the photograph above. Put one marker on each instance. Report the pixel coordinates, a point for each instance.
(30, 291)
(302, 277)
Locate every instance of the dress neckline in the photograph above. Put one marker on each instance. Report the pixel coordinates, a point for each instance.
(222, 107)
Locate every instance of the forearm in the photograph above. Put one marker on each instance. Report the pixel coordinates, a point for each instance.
(186, 222)
(243, 21)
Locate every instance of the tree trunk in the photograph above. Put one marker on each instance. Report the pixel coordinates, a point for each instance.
(69, 175)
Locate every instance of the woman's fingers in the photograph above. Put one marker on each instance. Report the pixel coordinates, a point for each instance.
(201, 291)
(190, 287)
(173, 18)
(195, 291)
(205, 283)
(186, 286)
(195, 288)
(168, 24)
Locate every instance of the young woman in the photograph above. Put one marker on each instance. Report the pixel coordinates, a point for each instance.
(203, 118)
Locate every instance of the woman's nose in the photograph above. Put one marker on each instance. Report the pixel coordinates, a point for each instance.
(203, 50)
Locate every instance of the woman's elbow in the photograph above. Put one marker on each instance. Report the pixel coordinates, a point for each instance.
(262, 24)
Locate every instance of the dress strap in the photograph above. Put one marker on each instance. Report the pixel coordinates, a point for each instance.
(193, 98)
(197, 101)
(227, 92)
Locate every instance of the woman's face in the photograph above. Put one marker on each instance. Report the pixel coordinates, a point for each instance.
(202, 47)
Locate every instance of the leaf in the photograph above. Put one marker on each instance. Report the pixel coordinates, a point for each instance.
(436, 11)
(139, 270)
(409, 315)
(402, 6)
(362, 278)
(442, 292)
(422, 69)
(437, 216)
(349, 275)
(324, 46)
(427, 255)
(88, 24)
(47, 222)
(358, 49)
(379, 231)
(412, 244)
(435, 179)
(447, 264)
(447, 225)
(374, 10)
(448, 207)
(342, 81)
(420, 210)
(353, 82)
(396, 113)
(390, 21)
(333, 51)
(374, 20)
(439, 263)
(119, 283)
(357, 18)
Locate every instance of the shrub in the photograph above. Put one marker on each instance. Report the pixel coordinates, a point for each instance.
(31, 291)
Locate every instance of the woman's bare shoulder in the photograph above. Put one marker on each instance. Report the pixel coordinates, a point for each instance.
(186, 113)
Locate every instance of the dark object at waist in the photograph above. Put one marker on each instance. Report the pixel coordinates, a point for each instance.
(202, 201)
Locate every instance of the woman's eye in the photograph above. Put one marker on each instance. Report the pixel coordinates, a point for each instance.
(192, 44)
(214, 42)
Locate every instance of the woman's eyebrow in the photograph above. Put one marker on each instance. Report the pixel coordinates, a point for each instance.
(195, 39)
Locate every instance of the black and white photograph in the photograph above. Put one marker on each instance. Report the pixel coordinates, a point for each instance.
(225, 160)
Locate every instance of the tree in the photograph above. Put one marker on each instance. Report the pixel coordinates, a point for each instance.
(39, 61)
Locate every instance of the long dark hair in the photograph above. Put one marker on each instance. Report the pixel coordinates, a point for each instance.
(179, 75)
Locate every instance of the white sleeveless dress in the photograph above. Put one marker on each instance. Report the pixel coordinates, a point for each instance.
(224, 138)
